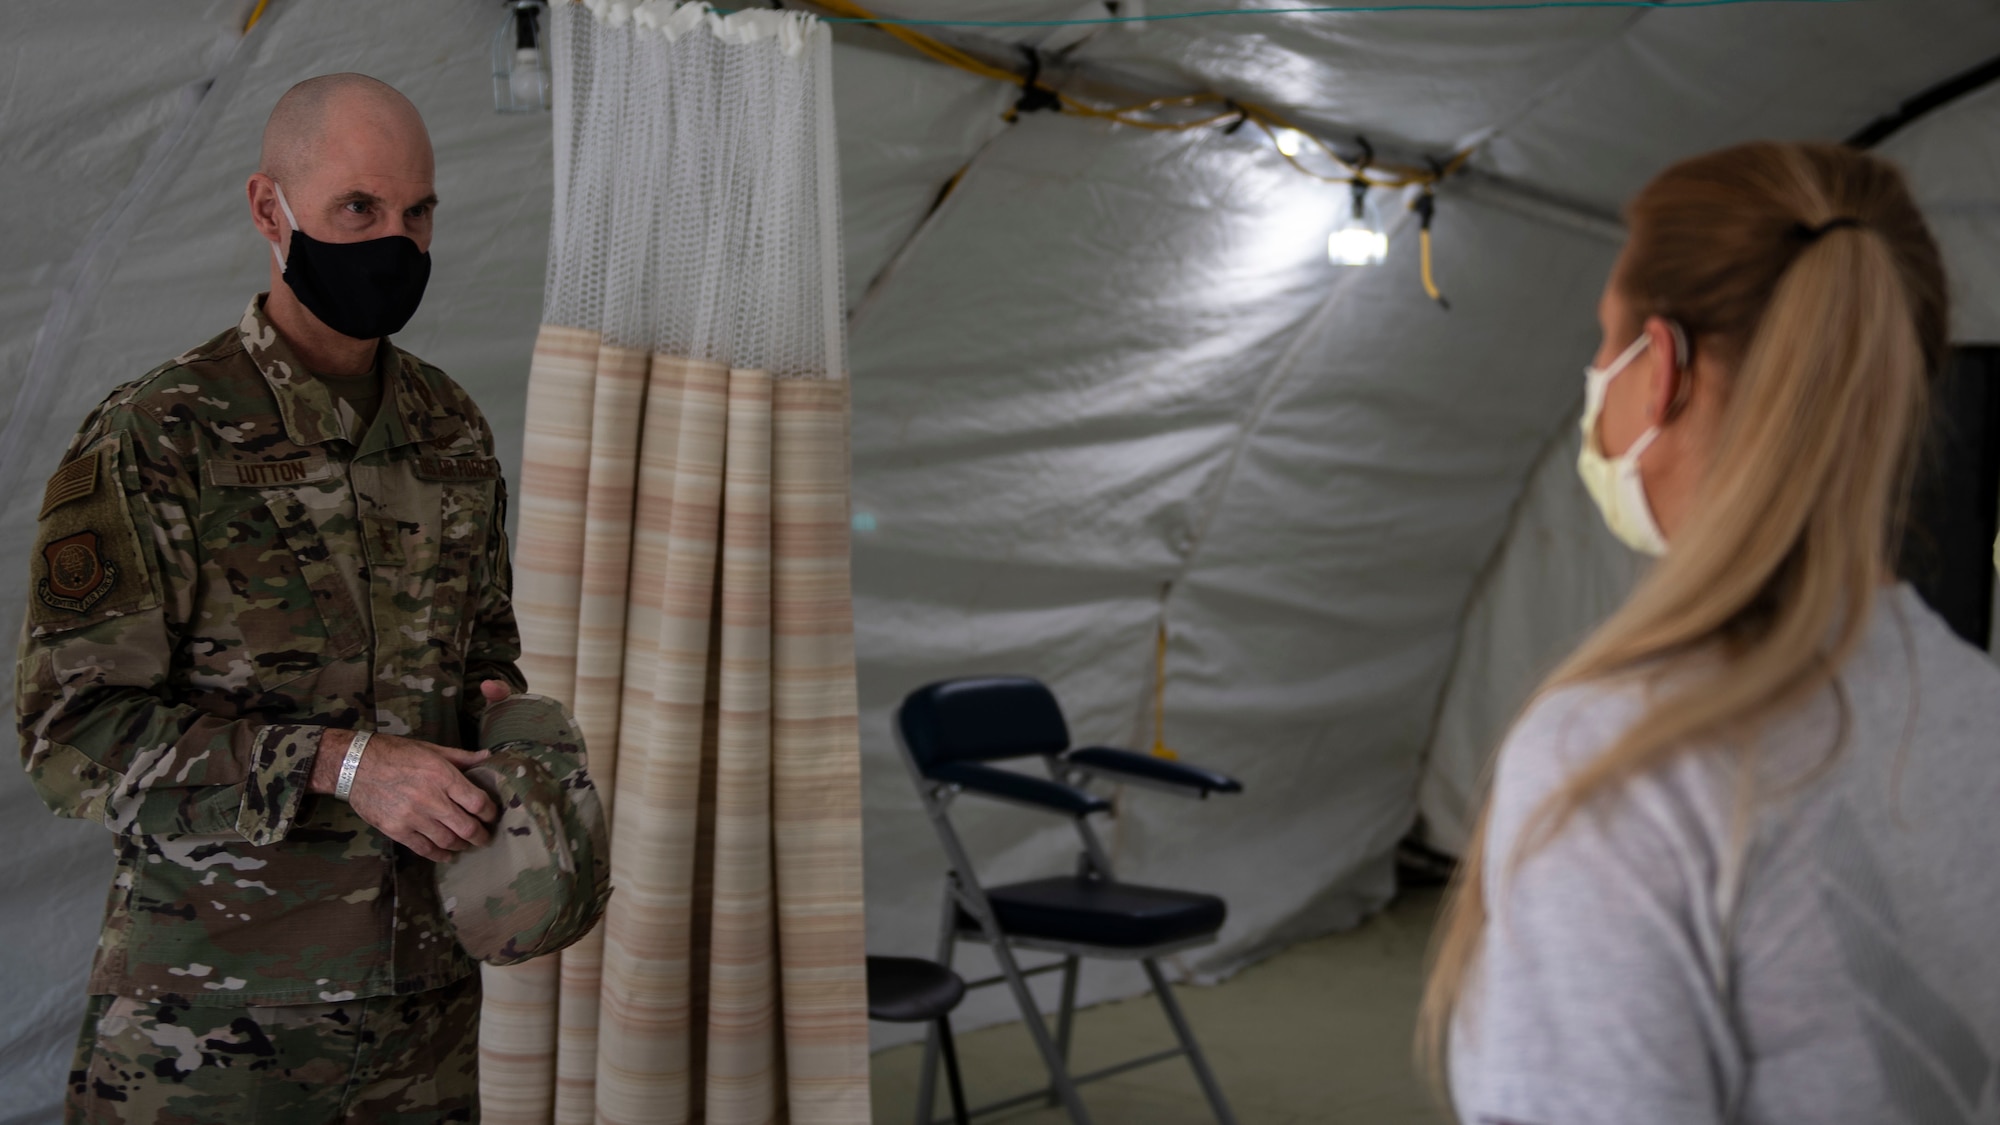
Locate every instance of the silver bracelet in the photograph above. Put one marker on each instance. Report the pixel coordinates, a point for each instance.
(351, 763)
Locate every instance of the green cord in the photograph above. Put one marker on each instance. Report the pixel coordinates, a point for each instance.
(1522, 5)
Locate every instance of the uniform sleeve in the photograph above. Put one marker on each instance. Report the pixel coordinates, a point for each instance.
(1592, 1001)
(113, 576)
(494, 650)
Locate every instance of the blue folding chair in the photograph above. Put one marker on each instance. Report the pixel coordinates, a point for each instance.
(950, 733)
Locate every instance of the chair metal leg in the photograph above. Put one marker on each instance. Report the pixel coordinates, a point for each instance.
(981, 910)
(927, 1078)
(947, 943)
(1039, 1031)
(951, 1077)
(1065, 1014)
(1196, 1059)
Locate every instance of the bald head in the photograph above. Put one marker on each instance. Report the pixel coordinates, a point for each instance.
(350, 158)
(320, 114)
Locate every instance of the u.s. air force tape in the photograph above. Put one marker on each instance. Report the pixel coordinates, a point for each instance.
(457, 468)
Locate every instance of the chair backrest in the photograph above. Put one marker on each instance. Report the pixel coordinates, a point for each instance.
(981, 719)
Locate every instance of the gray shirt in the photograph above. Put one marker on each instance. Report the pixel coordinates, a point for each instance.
(1832, 956)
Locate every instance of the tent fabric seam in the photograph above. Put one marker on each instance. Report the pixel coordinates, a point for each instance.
(94, 262)
(1254, 417)
(1474, 591)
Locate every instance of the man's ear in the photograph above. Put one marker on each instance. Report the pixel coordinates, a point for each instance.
(1667, 372)
(270, 222)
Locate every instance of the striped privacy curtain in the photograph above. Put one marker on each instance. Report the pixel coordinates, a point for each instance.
(682, 583)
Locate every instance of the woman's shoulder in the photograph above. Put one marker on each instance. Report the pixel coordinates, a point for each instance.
(1566, 729)
(1912, 630)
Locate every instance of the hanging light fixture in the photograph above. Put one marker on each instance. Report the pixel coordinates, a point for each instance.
(1361, 239)
(521, 59)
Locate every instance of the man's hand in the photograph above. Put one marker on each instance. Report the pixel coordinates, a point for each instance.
(495, 690)
(415, 792)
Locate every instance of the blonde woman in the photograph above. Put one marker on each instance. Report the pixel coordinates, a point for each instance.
(1741, 857)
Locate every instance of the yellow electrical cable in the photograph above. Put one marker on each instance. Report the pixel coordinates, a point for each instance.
(1372, 173)
(1388, 175)
(1425, 205)
(1424, 253)
(942, 52)
(1160, 696)
(255, 15)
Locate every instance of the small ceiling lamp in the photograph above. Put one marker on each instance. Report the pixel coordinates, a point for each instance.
(1361, 239)
(521, 59)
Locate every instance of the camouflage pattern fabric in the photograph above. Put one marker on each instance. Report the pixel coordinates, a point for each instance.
(388, 1059)
(222, 572)
(542, 882)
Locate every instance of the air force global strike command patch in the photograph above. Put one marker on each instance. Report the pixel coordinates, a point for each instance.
(79, 576)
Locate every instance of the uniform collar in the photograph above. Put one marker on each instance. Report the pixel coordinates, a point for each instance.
(412, 412)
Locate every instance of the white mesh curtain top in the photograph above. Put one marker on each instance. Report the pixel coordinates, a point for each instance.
(697, 199)
(682, 582)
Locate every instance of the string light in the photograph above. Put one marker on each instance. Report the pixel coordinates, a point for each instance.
(1361, 239)
(1138, 18)
(521, 77)
(1365, 243)
(1227, 110)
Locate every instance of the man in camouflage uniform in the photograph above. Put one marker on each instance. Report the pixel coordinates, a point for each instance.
(282, 537)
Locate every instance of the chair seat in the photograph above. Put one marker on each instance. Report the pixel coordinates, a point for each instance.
(1073, 908)
(911, 990)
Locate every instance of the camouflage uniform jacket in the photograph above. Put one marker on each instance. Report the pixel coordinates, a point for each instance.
(221, 573)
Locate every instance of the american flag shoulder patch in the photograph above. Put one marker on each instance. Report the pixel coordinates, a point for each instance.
(73, 481)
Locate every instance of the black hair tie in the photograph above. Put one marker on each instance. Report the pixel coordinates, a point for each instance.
(1811, 234)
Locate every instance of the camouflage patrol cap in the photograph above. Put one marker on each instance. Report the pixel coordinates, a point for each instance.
(542, 882)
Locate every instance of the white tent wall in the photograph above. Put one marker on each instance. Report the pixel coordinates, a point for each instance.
(907, 125)
(1063, 406)
(1158, 380)
(1559, 572)
(66, 160)
(1953, 159)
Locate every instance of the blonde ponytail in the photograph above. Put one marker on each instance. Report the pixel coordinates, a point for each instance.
(1808, 275)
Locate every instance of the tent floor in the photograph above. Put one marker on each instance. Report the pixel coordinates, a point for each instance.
(1320, 1033)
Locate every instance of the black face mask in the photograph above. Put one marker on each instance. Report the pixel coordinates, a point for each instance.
(366, 290)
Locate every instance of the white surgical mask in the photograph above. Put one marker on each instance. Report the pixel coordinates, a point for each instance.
(1615, 484)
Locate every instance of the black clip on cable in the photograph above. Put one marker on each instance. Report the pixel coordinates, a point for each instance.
(1035, 97)
(1426, 201)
